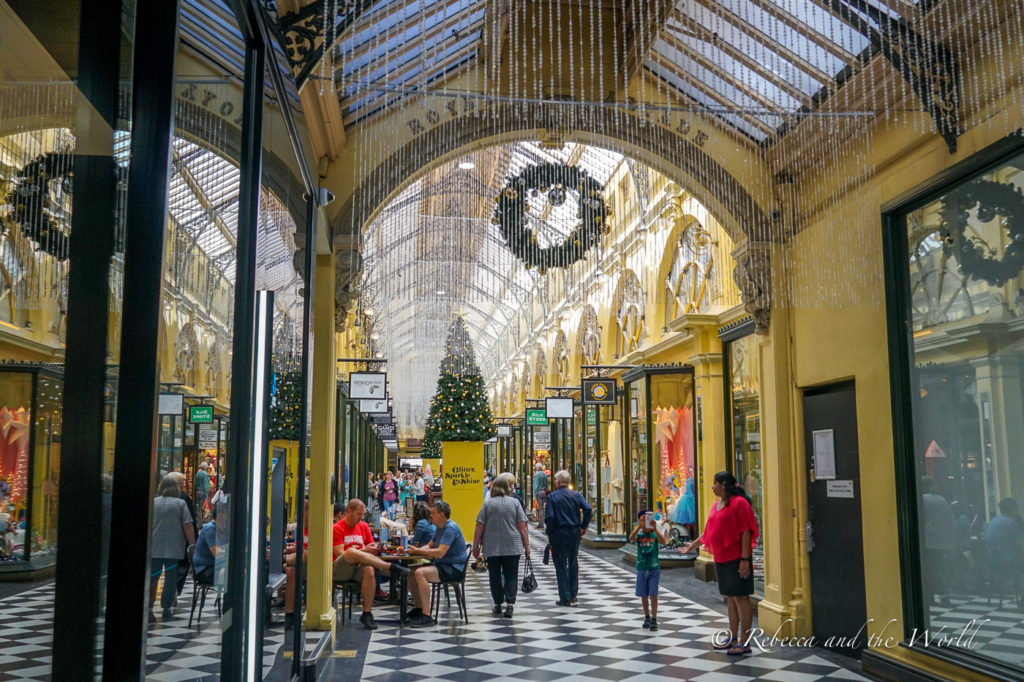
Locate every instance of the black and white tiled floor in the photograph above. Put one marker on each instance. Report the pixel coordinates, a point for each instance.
(601, 639)
(174, 651)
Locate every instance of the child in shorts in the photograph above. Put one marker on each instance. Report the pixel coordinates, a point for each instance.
(648, 571)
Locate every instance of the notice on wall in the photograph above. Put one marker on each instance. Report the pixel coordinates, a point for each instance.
(207, 439)
(824, 455)
(463, 482)
(839, 489)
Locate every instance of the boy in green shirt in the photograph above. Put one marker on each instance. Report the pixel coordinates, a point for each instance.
(648, 569)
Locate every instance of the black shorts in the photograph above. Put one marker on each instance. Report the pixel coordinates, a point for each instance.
(447, 573)
(729, 581)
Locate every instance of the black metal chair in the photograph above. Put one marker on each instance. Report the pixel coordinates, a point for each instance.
(458, 585)
(350, 590)
(199, 592)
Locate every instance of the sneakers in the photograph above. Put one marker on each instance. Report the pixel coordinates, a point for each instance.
(508, 611)
(421, 620)
(367, 620)
(496, 610)
(573, 601)
(398, 570)
(647, 622)
(654, 624)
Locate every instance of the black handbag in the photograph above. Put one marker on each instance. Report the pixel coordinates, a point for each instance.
(529, 579)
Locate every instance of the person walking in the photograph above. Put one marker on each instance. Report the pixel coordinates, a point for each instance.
(202, 487)
(196, 523)
(540, 492)
(419, 489)
(730, 534)
(566, 518)
(173, 532)
(502, 537)
(389, 493)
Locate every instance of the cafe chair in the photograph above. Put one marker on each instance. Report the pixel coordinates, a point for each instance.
(199, 591)
(458, 585)
(351, 590)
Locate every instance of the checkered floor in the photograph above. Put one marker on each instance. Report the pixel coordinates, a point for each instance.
(173, 650)
(998, 630)
(601, 639)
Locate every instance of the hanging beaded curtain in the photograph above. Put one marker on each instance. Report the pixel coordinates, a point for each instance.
(769, 112)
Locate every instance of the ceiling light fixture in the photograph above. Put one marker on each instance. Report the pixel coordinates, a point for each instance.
(467, 165)
(441, 292)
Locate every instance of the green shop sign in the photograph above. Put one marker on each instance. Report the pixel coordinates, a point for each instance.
(537, 417)
(200, 414)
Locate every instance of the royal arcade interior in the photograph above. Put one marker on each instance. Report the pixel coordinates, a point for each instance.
(782, 238)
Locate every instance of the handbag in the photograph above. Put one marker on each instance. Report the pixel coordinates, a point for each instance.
(529, 579)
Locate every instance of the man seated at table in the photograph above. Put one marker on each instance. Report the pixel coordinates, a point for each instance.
(448, 550)
(208, 549)
(354, 550)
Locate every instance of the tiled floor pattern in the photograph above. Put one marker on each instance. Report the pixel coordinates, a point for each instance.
(600, 639)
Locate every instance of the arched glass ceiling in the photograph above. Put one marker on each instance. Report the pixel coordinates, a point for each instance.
(433, 253)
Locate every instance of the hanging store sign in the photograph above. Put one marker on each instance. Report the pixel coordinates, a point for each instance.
(367, 385)
(373, 405)
(385, 430)
(599, 392)
(541, 439)
(200, 414)
(504, 430)
(536, 417)
(171, 403)
(558, 408)
(382, 418)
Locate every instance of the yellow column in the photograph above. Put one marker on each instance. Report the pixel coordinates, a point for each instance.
(319, 609)
(707, 365)
(786, 602)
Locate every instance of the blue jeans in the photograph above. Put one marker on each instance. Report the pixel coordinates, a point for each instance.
(389, 506)
(565, 550)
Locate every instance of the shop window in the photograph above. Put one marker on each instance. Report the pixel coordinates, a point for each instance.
(961, 298)
(745, 431)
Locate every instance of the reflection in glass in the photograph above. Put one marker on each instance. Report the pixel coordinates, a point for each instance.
(968, 413)
(745, 421)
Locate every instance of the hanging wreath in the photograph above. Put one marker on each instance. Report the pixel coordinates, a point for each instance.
(33, 207)
(556, 180)
(976, 258)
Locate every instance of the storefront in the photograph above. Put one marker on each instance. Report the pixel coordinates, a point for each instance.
(603, 474)
(31, 398)
(956, 327)
(743, 426)
(659, 467)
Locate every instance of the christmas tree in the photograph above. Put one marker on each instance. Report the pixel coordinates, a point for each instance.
(287, 402)
(459, 409)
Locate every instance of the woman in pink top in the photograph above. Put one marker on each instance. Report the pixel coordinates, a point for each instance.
(730, 534)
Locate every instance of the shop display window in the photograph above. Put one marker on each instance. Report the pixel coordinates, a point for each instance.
(745, 432)
(662, 447)
(604, 483)
(961, 296)
(31, 400)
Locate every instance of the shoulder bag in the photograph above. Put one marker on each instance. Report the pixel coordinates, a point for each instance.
(529, 579)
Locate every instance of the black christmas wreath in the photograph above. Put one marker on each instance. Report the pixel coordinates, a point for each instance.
(556, 180)
(33, 208)
(976, 258)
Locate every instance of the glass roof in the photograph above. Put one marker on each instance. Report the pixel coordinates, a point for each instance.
(433, 253)
(754, 61)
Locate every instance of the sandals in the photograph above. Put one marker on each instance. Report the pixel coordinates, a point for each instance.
(725, 645)
(738, 650)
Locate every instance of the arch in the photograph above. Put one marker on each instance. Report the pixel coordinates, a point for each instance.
(561, 367)
(588, 337)
(540, 371)
(677, 157)
(629, 313)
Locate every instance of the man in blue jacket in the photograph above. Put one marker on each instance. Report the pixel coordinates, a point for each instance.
(566, 519)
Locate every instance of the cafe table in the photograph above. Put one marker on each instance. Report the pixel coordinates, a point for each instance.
(403, 585)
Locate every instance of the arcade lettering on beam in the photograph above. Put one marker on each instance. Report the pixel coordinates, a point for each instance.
(218, 103)
(438, 110)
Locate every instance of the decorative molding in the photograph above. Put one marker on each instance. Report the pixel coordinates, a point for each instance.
(303, 38)
(753, 277)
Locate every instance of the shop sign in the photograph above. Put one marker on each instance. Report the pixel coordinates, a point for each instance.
(599, 392)
(373, 406)
(536, 417)
(558, 408)
(504, 430)
(592, 417)
(207, 439)
(367, 385)
(542, 438)
(171, 403)
(200, 414)
(382, 418)
(385, 430)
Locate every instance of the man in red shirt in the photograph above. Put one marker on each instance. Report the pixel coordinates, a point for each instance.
(354, 551)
